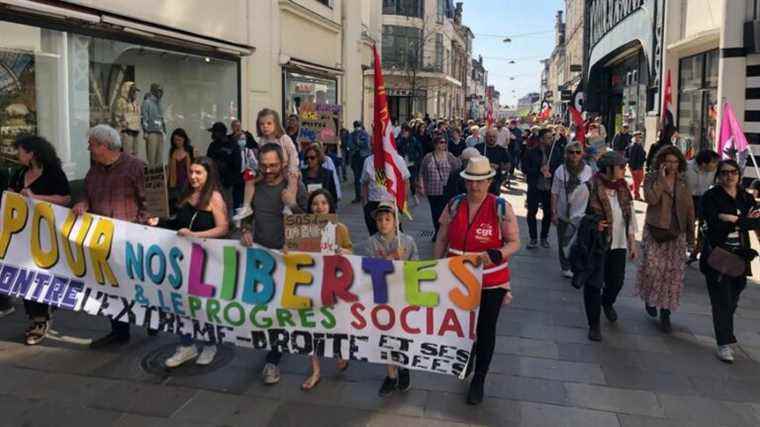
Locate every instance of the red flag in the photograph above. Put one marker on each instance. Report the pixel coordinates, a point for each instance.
(667, 106)
(580, 125)
(384, 149)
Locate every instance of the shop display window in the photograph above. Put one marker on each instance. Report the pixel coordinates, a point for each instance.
(58, 84)
(697, 100)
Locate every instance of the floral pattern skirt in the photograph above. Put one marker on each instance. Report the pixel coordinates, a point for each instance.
(661, 271)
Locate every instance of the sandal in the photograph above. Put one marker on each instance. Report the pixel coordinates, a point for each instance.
(342, 365)
(311, 382)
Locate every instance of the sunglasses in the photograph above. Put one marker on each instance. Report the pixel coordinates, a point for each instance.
(311, 157)
(729, 172)
(575, 152)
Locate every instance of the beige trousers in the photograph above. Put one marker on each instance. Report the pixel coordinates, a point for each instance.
(154, 146)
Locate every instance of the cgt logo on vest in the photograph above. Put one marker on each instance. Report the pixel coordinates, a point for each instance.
(484, 232)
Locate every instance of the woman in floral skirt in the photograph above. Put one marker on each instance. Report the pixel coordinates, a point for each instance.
(669, 229)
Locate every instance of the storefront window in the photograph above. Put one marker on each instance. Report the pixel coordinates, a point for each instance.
(64, 83)
(697, 100)
(315, 100)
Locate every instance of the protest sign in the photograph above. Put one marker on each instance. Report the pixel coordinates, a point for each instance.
(320, 123)
(156, 191)
(304, 232)
(417, 314)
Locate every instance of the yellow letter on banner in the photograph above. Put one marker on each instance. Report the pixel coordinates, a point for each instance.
(78, 264)
(14, 219)
(44, 211)
(294, 277)
(100, 250)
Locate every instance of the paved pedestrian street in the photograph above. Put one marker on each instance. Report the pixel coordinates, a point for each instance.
(545, 372)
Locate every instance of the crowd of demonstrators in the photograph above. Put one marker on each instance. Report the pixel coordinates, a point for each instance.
(113, 172)
(40, 178)
(611, 202)
(437, 169)
(637, 156)
(479, 223)
(729, 213)
(569, 198)
(201, 213)
(535, 165)
(668, 229)
(700, 176)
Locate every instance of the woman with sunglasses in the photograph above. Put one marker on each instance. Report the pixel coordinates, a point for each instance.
(729, 212)
(435, 169)
(668, 230)
(315, 176)
(611, 201)
(569, 199)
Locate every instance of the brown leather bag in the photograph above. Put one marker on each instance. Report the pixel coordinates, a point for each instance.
(726, 263)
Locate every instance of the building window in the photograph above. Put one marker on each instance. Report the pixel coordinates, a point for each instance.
(401, 47)
(62, 83)
(328, 3)
(439, 52)
(698, 100)
(441, 11)
(410, 8)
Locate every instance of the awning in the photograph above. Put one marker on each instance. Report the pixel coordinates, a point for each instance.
(311, 68)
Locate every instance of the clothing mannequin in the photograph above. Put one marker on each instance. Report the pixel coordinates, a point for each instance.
(127, 117)
(153, 125)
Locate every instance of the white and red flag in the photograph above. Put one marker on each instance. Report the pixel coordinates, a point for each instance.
(386, 156)
(667, 106)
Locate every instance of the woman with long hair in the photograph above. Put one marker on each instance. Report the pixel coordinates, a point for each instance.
(40, 178)
(180, 157)
(322, 202)
(668, 229)
(201, 214)
(729, 213)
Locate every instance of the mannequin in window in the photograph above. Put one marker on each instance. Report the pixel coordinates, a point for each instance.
(153, 125)
(126, 116)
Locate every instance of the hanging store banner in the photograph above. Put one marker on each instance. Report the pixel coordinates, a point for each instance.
(417, 314)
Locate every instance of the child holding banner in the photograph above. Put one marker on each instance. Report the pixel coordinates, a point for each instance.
(201, 213)
(390, 243)
(322, 202)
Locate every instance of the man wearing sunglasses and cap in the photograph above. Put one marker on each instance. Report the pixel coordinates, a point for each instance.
(481, 224)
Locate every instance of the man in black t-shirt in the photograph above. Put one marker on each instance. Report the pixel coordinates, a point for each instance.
(499, 158)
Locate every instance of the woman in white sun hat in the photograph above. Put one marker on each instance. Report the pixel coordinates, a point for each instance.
(479, 223)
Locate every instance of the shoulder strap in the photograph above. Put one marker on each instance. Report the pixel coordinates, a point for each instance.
(454, 204)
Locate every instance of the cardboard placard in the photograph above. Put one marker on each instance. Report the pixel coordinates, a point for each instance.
(156, 191)
(303, 232)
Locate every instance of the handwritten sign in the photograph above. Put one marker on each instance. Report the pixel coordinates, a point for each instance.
(156, 191)
(303, 232)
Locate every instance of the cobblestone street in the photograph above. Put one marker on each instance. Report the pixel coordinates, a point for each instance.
(545, 372)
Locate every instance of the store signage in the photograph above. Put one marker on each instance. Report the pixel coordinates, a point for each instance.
(405, 92)
(605, 14)
(304, 87)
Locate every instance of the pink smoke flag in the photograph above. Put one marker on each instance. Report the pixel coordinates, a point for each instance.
(732, 143)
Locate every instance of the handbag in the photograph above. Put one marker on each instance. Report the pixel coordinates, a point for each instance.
(662, 235)
(726, 262)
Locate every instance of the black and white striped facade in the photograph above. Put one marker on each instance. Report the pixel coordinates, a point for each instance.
(752, 112)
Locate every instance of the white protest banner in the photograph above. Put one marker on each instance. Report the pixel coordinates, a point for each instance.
(418, 314)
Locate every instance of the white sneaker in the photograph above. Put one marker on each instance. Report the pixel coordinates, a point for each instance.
(271, 374)
(242, 213)
(567, 273)
(207, 355)
(181, 355)
(725, 354)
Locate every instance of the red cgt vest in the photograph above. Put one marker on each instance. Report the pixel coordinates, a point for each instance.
(484, 233)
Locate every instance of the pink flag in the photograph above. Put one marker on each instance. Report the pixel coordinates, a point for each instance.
(732, 143)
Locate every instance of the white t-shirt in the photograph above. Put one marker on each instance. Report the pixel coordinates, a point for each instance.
(578, 197)
(503, 136)
(619, 233)
(376, 192)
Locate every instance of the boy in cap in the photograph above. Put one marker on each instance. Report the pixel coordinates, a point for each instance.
(389, 243)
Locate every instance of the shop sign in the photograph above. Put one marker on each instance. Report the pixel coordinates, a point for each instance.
(304, 87)
(605, 14)
(405, 92)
